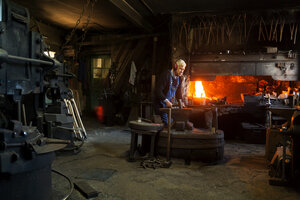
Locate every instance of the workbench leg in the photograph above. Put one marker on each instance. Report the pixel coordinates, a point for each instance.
(133, 146)
(152, 147)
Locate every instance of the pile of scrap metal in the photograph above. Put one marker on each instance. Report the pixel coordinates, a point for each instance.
(33, 91)
(282, 148)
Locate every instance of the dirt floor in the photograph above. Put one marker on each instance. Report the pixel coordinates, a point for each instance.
(102, 163)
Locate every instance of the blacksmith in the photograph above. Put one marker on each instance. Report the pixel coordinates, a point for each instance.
(168, 86)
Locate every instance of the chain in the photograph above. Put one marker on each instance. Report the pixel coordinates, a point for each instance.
(70, 36)
(85, 27)
(155, 163)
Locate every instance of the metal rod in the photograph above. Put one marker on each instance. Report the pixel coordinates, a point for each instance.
(19, 111)
(215, 118)
(31, 60)
(75, 124)
(14, 144)
(66, 103)
(270, 119)
(66, 128)
(78, 117)
(69, 112)
(141, 110)
(24, 114)
(169, 134)
(77, 127)
(153, 69)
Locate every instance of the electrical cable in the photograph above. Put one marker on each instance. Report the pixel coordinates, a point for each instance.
(70, 182)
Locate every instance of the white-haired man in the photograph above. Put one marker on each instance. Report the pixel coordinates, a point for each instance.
(168, 85)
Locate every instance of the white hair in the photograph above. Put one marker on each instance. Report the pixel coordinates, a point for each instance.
(180, 62)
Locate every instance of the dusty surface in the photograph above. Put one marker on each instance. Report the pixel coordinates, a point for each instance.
(243, 175)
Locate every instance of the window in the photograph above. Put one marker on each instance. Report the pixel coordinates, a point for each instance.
(100, 66)
(51, 54)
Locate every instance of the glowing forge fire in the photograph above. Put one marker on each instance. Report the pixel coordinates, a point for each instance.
(199, 90)
(196, 90)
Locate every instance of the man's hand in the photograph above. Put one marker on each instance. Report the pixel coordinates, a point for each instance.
(181, 104)
(168, 104)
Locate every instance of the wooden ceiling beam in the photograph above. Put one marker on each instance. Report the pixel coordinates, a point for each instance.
(132, 14)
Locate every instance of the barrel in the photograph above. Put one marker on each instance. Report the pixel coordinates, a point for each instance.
(198, 144)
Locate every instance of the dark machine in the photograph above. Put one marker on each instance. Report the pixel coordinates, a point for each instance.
(280, 65)
(282, 147)
(36, 108)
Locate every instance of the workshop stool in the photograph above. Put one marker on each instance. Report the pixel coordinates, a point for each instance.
(143, 129)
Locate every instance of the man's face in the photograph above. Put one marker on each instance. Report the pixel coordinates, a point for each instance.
(179, 70)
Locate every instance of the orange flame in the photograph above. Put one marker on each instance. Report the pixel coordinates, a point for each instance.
(199, 90)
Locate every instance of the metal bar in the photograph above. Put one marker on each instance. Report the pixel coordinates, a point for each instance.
(66, 103)
(31, 60)
(78, 117)
(24, 114)
(19, 111)
(14, 144)
(169, 134)
(215, 118)
(66, 128)
(77, 127)
(153, 68)
(1, 2)
(69, 112)
(75, 124)
(153, 80)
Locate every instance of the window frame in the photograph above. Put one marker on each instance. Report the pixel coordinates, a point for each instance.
(104, 68)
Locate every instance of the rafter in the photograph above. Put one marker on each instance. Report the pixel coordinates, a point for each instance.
(132, 14)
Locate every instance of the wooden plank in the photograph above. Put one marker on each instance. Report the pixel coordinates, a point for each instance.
(85, 189)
